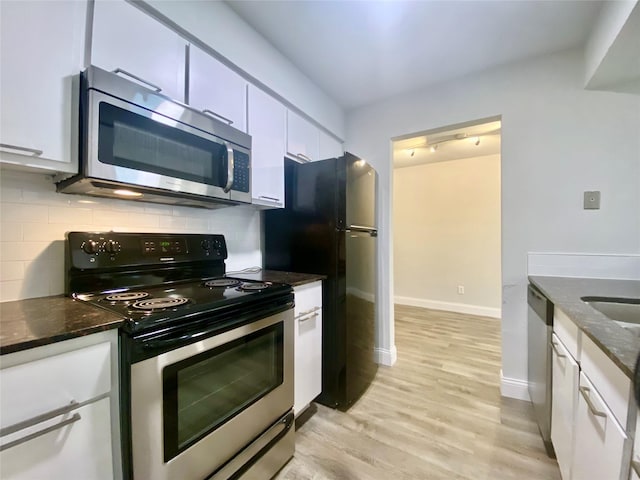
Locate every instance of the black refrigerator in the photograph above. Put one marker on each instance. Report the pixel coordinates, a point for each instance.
(328, 226)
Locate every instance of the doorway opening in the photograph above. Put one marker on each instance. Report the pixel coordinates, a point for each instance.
(447, 218)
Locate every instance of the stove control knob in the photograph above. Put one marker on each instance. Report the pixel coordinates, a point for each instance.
(91, 247)
(206, 244)
(112, 246)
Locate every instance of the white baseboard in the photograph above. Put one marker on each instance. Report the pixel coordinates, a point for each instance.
(514, 388)
(386, 356)
(450, 306)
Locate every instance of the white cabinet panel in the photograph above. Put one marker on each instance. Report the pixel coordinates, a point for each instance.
(565, 372)
(37, 387)
(599, 438)
(80, 449)
(328, 147)
(302, 138)
(41, 46)
(308, 345)
(125, 37)
(608, 379)
(267, 127)
(216, 89)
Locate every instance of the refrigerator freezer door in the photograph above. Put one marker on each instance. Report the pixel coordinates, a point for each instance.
(360, 249)
(360, 193)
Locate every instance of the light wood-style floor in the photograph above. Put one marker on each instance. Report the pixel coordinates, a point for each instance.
(436, 414)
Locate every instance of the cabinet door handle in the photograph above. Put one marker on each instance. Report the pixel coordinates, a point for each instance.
(273, 199)
(636, 467)
(554, 345)
(592, 408)
(140, 79)
(217, 115)
(311, 310)
(35, 151)
(302, 319)
(39, 419)
(74, 418)
(304, 157)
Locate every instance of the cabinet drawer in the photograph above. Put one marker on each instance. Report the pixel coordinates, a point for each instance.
(41, 386)
(613, 385)
(599, 438)
(308, 297)
(568, 333)
(79, 449)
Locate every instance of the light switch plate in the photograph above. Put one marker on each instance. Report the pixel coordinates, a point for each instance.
(592, 200)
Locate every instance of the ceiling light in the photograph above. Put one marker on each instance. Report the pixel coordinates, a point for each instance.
(127, 193)
(433, 148)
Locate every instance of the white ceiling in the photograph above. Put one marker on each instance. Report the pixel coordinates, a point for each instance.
(455, 144)
(362, 51)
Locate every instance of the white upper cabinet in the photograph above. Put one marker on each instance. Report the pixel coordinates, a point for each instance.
(328, 147)
(302, 138)
(267, 127)
(216, 89)
(42, 48)
(128, 39)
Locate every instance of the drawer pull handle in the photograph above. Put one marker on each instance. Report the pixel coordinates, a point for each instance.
(636, 467)
(592, 408)
(554, 345)
(39, 419)
(140, 79)
(273, 199)
(34, 151)
(217, 115)
(312, 310)
(74, 418)
(302, 319)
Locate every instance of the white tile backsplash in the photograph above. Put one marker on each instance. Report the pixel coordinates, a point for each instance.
(34, 219)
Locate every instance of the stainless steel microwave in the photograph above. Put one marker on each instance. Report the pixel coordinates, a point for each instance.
(137, 143)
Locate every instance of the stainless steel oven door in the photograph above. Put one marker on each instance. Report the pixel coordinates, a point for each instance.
(148, 146)
(195, 407)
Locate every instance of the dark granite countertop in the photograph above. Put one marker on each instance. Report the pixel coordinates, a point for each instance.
(39, 321)
(620, 345)
(292, 278)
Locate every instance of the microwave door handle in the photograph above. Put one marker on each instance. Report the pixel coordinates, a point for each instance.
(230, 168)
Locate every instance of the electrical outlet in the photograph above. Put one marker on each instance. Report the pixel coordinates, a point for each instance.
(460, 289)
(592, 200)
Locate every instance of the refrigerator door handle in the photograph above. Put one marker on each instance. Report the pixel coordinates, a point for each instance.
(359, 228)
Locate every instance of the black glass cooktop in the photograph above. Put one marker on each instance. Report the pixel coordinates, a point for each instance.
(147, 307)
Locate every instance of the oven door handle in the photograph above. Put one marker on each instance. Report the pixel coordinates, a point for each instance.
(173, 341)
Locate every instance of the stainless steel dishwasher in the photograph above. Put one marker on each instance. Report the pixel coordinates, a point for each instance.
(540, 321)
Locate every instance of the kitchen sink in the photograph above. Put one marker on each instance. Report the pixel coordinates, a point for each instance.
(624, 311)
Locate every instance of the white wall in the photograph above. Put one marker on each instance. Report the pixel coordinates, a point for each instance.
(447, 233)
(558, 140)
(215, 24)
(34, 219)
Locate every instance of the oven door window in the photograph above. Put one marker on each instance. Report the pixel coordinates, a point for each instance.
(205, 391)
(127, 139)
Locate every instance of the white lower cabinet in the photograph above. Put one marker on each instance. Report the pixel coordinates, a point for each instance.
(60, 411)
(308, 344)
(599, 439)
(565, 371)
(77, 445)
